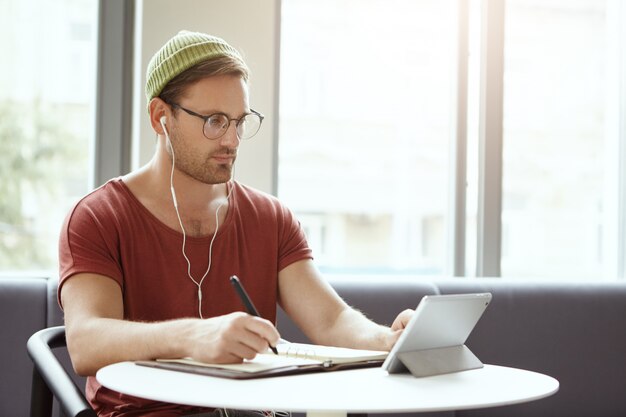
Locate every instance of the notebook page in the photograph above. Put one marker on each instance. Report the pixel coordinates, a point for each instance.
(328, 353)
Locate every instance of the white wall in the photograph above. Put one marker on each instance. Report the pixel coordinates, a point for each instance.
(252, 27)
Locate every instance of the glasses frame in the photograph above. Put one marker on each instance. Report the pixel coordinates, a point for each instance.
(206, 118)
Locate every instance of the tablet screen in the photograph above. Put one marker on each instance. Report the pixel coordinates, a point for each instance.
(439, 321)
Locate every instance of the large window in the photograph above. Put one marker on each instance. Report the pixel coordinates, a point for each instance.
(368, 109)
(365, 128)
(555, 138)
(47, 94)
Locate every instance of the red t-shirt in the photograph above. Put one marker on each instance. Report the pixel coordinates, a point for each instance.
(109, 232)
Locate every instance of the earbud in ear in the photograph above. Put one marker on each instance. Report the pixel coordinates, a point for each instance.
(162, 120)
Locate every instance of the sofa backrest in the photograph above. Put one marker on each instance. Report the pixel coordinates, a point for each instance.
(571, 331)
(23, 307)
(26, 306)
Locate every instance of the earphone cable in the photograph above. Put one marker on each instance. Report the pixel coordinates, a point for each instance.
(180, 222)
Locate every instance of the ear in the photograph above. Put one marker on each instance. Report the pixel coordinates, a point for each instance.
(158, 109)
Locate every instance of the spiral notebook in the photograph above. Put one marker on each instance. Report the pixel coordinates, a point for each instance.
(292, 358)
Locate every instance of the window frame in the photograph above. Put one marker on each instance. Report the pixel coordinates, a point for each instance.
(114, 90)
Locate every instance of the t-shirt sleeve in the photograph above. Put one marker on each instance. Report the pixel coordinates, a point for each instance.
(88, 244)
(292, 244)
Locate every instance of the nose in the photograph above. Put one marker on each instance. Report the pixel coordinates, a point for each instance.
(231, 138)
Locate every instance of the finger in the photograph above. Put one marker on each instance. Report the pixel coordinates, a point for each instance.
(243, 351)
(264, 329)
(254, 342)
(240, 345)
(231, 358)
(249, 331)
(402, 320)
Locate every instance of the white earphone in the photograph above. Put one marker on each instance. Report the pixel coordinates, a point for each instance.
(163, 120)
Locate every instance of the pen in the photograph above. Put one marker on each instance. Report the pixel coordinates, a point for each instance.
(247, 301)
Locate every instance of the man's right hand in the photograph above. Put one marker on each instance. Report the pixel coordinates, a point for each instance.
(230, 338)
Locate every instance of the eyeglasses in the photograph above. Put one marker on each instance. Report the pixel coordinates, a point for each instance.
(216, 124)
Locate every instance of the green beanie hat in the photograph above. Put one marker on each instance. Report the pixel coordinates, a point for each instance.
(180, 53)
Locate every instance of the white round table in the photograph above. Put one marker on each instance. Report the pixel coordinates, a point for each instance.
(335, 394)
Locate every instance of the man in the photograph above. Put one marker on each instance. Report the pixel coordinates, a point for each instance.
(145, 259)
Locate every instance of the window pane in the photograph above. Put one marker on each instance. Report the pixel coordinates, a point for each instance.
(47, 88)
(365, 121)
(555, 140)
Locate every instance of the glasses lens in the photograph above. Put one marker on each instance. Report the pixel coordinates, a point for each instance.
(215, 126)
(248, 126)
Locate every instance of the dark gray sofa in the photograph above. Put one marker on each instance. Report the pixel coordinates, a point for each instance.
(575, 332)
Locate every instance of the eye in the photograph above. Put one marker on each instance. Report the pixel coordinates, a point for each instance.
(217, 121)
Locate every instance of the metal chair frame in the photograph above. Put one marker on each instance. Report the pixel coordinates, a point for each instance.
(50, 379)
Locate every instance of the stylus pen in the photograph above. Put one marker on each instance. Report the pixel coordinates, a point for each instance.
(247, 301)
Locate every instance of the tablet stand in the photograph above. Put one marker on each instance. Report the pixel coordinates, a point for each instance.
(439, 360)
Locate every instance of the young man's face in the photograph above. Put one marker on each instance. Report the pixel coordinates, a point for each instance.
(208, 160)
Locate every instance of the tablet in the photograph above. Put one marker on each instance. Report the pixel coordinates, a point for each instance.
(439, 321)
